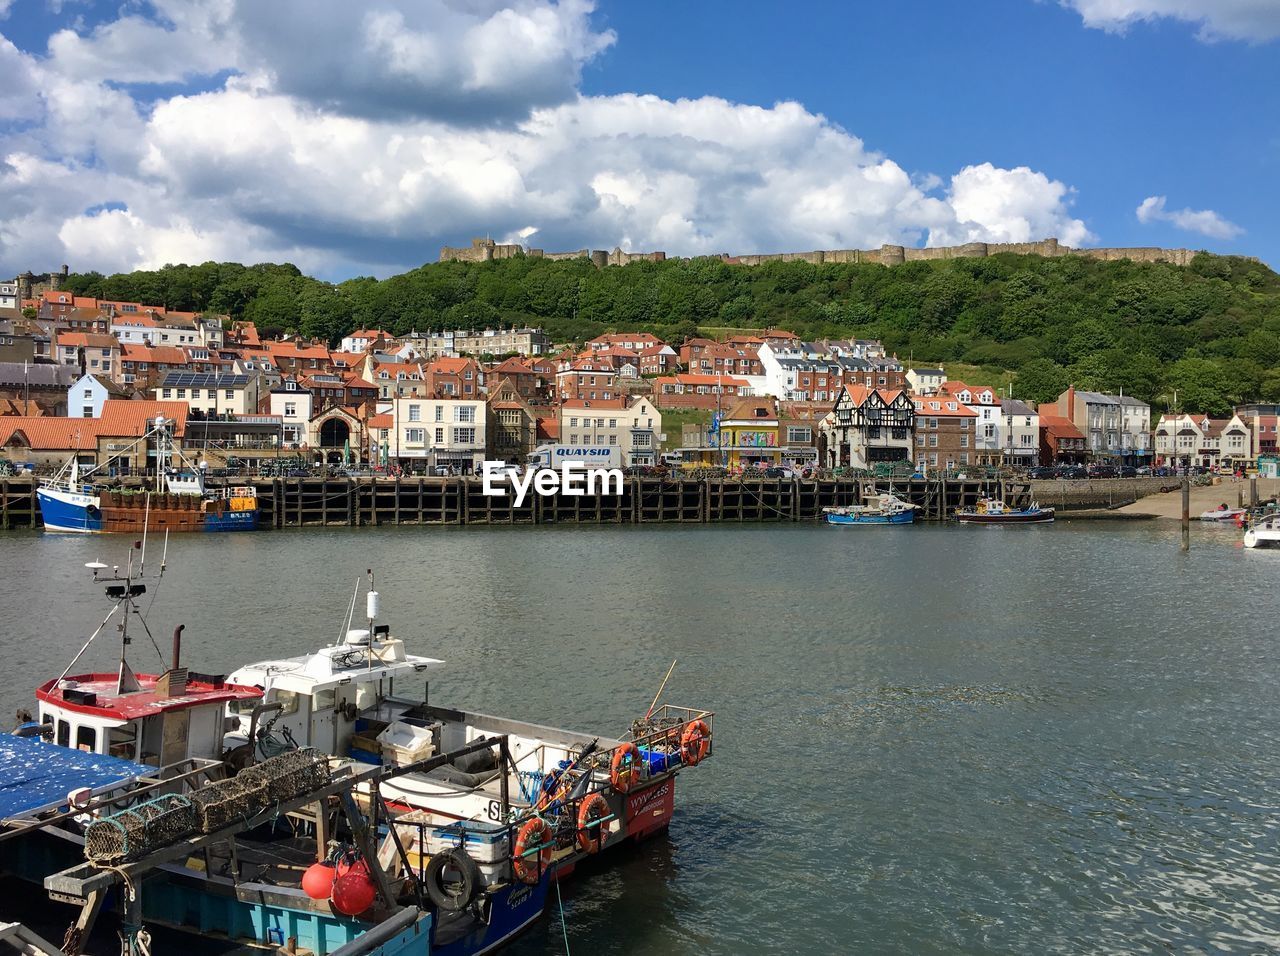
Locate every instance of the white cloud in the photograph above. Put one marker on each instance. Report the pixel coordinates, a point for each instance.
(360, 137)
(1253, 20)
(1204, 221)
(1010, 205)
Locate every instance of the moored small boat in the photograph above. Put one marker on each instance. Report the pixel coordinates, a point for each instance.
(883, 509)
(1263, 533)
(1223, 513)
(995, 511)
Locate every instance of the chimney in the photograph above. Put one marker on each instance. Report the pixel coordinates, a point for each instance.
(177, 646)
(1070, 414)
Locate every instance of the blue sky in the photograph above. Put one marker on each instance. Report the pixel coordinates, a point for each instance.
(357, 141)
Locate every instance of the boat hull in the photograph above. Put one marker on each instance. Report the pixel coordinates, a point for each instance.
(64, 511)
(69, 511)
(902, 517)
(1032, 517)
(1261, 539)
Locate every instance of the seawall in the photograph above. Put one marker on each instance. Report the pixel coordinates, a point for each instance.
(361, 502)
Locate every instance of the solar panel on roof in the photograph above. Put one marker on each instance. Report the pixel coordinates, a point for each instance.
(203, 380)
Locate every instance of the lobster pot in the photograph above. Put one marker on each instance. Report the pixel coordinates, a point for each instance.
(131, 833)
(227, 801)
(289, 775)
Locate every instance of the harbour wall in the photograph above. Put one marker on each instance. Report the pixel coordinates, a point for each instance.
(366, 501)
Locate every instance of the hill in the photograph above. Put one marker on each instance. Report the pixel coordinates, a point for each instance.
(1209, 330)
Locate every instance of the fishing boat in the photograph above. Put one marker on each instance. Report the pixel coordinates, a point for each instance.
(548, 801)
(882, 509)
(995, 511)
(180, 500)
(1223, 513)
(121, 778)
(1263, 532)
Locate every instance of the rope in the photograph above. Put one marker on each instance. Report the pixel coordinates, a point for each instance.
(564, 928)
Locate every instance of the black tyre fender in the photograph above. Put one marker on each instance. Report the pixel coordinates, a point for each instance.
(457, 896)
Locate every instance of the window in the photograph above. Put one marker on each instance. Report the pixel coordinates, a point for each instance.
(964, 424)
(920, 439)
(64, 734)
(213, 393)
(613, 423)
(933, 441)
(989, 431)
(643, 440)
(964, 441)
(933, 423)
(439, 436)
(86, 739)
(573, 423)
(121, 741)
(88, 393)
(573, 439)
(291, 409)
(613, 440)
(182, 393)
(799, 435)
(415, 413)
(464, 413)
(86, 411)
(229, 394)
(464, 436)
(415, 436)
(324, 699)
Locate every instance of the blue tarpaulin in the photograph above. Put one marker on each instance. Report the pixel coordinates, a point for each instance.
(38, 774)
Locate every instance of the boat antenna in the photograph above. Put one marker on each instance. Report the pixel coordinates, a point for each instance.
(146, 522)
(663, 687)
(371, 613)
(351, 611)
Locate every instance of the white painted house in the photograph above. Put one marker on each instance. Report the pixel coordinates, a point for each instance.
(442, 435)
(86, 396)
(293, 403)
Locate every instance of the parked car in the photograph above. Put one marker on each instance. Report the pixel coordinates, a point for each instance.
(1142, 471)
(1042, 472)
(1127, 471)
(1073, 472)
(1103, 471)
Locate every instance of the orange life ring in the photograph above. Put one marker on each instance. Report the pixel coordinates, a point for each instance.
(535, 833)
(624, 769)
(695, 742)
(591, 834)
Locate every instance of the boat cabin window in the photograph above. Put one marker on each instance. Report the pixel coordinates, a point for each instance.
(288, 700)
(325, 698)
(64, 734)
(122, 741)
(86, 739)
(366, 696)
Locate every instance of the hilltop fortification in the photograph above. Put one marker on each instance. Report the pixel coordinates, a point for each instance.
(486, 250)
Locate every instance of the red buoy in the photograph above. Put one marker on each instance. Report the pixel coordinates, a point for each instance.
(353, 892)
(317, 882)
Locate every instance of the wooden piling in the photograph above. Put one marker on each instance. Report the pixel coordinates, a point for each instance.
(1186, 513)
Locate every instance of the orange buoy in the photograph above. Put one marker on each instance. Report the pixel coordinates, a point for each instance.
(695, 742)
(353, 892)
(317, 882)
(624, 769)
(591, 811)
(534, 834)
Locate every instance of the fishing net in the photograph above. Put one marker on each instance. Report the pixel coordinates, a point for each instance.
(131, 833)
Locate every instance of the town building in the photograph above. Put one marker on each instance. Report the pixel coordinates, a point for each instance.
(513, 423)
(114, 439)
(1061, 443)
(34, 387)
(1183, 440)
(867, 427)
(748, 434)
(440, 435)
(448, 377)
(634, 426)
(686, 390)
(587, 380)
(1117, 428)
(93, 351)
(1019, 434)
(988, 447)
(945, 429)
(925, 381)
(1263, 421)
(211, 395)
(362, 339)
(495, 342)
(293, 404)
(89, 393)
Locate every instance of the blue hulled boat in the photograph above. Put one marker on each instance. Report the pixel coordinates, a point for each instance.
(885, 509)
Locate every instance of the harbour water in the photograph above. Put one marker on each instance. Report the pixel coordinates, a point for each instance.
(935, 740)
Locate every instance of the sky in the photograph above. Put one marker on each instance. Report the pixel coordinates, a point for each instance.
(358, 138)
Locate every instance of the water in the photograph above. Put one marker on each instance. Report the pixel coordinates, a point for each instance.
(929, 740)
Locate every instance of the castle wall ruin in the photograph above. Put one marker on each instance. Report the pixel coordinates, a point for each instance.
(486, 250)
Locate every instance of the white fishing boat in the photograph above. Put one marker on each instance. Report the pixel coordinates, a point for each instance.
(548, 800)
(1263, 533)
